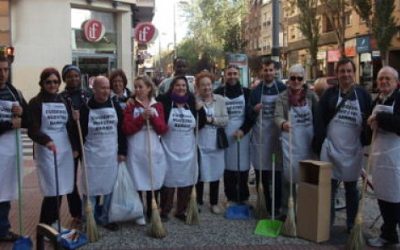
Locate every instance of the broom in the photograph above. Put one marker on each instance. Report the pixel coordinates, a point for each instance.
(157, 229)
(356, 240)
(192, 217)
(261, 207)
(91, 227)
(289, 227)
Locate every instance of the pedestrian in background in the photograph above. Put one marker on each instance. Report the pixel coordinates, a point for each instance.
(76, 97)
(211, 158)
(237, 129)
(180, 69)
(52, 131)
(14, 115)
(120, 93)
(344, 111)
(265, 134)
(104, 146)
(385, 121)
(141, 109)
(179, 145)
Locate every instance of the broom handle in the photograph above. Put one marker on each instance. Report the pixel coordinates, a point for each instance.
(83, 159)
(57, 191)
(196, 153)
(273, 188)
(238, 171)
(260, 146)
(150, 158)
(290, 157)
(20, 222)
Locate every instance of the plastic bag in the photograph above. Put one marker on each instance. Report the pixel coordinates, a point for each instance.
(125, 201)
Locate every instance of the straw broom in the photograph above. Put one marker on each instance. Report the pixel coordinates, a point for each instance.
(356, 239)
(192, 216)
(91, 226)
(261, 207)
(157, 229)
(289, 227)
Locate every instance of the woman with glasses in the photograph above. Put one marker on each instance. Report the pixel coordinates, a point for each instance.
(120, 93)
(295, 113)
(51, 131)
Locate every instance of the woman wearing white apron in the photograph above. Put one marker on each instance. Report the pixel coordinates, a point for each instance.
(120, 93)
(297, 105)
(144, 107)
(105, 145)
(344, 126)
(51, 131)
(179, 146)
(211, 158)
(13, 115)
(238, 127)
(385, 119)
(263, 99)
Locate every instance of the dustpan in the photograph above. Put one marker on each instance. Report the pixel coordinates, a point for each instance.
(238, 211)
(270, 228)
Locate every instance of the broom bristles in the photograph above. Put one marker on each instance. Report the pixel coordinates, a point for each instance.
(91, 226)
(157, 229)
(289, 227)
(356, 239)
(192, 217)
(261, 207)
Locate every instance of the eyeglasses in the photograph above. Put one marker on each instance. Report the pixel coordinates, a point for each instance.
(230, 66)
(298, 78)
(48, 82)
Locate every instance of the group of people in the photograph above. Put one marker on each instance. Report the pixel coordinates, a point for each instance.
(169, 142)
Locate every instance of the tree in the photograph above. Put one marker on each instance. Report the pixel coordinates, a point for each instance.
(309, 27)
(335, 11)
(364, 10)
(384, 27)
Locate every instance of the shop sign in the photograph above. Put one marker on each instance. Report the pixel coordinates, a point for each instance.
(145, 33)
(376, 53)
(333, 55)
(93, 30)
(365, 57)
(363, 44)
(321, 55)
(350, 48)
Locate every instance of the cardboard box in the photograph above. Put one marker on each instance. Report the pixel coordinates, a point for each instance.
(314, 200)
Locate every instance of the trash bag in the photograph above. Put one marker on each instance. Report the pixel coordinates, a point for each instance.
(125, 201)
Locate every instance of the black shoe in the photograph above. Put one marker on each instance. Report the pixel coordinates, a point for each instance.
(164, 217)
(181, 217)
(9, 237)
(112, 226)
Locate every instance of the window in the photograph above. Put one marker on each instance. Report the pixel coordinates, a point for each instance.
(326, 24)
(348, 18)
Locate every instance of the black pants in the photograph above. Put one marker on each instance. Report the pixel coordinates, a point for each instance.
(230, 184)
(214, 192)
(49, 211)
(74, 199)
(167, 199)
(391, 220)
(5, 207)
(149, 197)
(266, 182)
(352, 198)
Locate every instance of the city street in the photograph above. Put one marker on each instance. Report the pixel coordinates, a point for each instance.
(214, 231)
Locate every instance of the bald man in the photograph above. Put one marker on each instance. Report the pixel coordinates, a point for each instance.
(104, 146)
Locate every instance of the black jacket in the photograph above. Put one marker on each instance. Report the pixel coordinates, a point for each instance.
(387, 121)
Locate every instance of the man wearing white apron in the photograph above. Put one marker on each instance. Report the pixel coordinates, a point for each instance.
(385, 120)
(104, 146)
(345, 134)
(238, 127)
(13, 116)
(265, 134)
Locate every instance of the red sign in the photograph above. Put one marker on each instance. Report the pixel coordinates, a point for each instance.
(145, 32)
(93, 30)
(333, 55)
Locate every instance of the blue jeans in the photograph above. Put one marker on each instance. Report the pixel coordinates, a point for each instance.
(352, 198)
(4, 222)
(100, 211)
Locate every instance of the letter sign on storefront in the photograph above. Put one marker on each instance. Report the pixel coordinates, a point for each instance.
(145, 33)
(93, 30)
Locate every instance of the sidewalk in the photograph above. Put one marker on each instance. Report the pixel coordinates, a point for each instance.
(214, 231)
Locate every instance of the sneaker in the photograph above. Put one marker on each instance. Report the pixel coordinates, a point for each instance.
(9, 237)
(379, 242)
(111, 226)
(140, 221)
(215, 209)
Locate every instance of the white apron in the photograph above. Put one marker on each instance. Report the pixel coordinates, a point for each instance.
(386, 162)
(342, 146)
(137, 158)
(8, 156)
(302, 132)
(179, 146)
(53, 124)
(236, 112)
(212, 163)
(269, 143)
(101, 151)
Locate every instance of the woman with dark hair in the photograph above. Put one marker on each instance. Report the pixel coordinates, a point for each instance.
(51, 131)
(181, 112)
(120, 93)
(142, 110)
